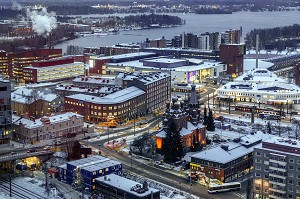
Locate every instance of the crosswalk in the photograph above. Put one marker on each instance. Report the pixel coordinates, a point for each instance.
(239, 195)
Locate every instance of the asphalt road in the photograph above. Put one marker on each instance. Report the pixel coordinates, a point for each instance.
(160, 174)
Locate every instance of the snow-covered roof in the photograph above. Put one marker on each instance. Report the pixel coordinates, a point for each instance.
(128, 55)
(259, 75)
(282, 144)
(165, 60)
(260, 81)
(91, 80)
(54, 67)
(250, 64)
(114, 98)
(23, 95)
(87, 161)
(38, 123)
(235, 150)
(102, 90)
(95, 166)
(201, 66)
(184, 132)
(162, 134)
(124, 184)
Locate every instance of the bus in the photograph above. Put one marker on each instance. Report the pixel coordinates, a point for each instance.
(231, 186)
(270, 115)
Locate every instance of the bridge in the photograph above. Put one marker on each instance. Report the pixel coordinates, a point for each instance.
(13, 157)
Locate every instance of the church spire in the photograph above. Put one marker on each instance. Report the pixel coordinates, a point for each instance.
(193, 98)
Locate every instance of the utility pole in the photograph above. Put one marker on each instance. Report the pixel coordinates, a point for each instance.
(229, 105)
(134, 125)
(10, 191)
(46, 176)
(208, 99)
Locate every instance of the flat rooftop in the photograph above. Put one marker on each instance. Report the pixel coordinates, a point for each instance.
(125, 184)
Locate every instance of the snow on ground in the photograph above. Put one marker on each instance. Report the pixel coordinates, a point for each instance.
(27, 186)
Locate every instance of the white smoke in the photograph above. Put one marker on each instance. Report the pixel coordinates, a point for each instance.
(42, 21)
(16, 6)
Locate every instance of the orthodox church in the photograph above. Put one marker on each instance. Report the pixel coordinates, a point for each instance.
(186, 117)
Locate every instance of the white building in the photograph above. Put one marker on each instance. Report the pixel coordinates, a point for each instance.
(260, 86)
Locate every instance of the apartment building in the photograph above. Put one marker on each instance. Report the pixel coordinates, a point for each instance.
(5, 111)
(277, 169)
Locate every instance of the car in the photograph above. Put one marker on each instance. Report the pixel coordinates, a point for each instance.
(31, 150)
(87, 137)
(47, 147)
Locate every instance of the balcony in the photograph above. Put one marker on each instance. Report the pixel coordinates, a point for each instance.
(277, 169)
(277, 176)
(277, 190)
(282, 163)
(277, 183)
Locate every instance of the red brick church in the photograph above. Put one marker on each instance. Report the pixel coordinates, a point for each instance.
(186, 117)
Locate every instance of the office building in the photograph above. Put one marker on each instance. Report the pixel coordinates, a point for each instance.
(16, 61)
(119, 106)
(53, 70)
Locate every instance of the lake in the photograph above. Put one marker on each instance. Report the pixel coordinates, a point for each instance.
(195, 24)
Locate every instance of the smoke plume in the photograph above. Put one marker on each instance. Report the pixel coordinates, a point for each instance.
(42, 21)
(16, 6)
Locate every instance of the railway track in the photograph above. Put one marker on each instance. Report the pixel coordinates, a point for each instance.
(19, 191)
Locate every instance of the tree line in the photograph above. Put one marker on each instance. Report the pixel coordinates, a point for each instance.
(279, 38)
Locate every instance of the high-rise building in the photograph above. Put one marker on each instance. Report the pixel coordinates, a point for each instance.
(277, 169)
(190, 40)
(233, 56)
(214, 40)
(3, 63)
(231, 37)
(209, 41)
(5, 111)
(203, 41)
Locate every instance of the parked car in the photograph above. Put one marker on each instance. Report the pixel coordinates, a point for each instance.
(31, 150)
(47, 147)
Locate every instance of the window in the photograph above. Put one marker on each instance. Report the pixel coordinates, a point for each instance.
(266, 162)
(257, 174)
(291, 167)
(292, 160)
(257, 160)
(258, 153)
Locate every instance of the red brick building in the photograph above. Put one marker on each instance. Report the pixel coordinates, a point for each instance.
(185, 116)
(52, 70)
(16, 61)
(227, 161)
(233, 56)
(121, 105)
